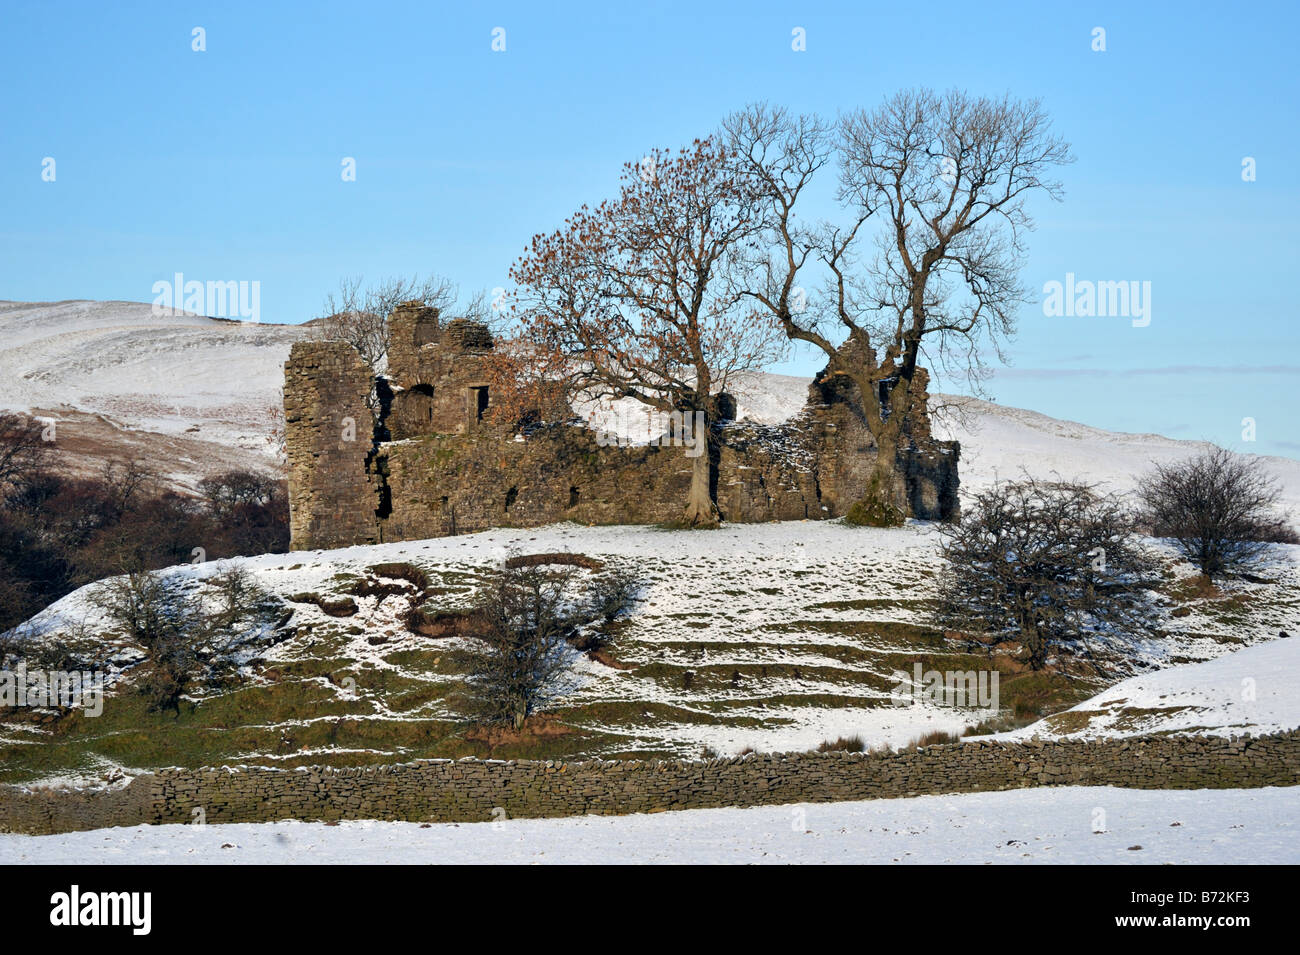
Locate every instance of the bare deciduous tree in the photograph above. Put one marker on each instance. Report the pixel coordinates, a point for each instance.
(358, 313)
(127, 481)
(946, 177)
(1218, 507)
(23, 449)
(226, 492)
(516, 665)
(1043, 563)
(638, 297)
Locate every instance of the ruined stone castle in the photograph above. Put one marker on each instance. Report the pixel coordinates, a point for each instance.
(428, 462)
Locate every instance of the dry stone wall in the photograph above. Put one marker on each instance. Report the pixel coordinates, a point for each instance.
(473, 790)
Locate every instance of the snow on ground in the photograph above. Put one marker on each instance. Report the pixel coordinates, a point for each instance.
(812, 618)
(1028, 826)
(801, 599)
(1252, 690)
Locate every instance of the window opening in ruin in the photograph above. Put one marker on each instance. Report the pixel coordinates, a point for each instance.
(426, 399)
(478, 402)
(884, 386)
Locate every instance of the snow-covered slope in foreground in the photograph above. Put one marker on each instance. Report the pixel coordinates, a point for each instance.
(1031, 826)
(775, 637)
(1250, 691)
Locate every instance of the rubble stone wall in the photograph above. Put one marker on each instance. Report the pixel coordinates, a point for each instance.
(329, 434)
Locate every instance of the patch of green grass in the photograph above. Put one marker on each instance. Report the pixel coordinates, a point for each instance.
(872, 603)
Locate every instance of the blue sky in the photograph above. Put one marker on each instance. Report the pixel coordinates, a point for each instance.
(225, 164)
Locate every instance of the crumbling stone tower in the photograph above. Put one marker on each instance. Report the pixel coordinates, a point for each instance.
(437, 381)
(329, 434)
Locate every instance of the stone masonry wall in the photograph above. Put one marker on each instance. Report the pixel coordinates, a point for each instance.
(329, 432)
(812, 468)
(450, 484)
(431, 465)
(468, 790)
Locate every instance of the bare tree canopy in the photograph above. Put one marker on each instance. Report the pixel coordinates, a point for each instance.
(358, 313)
(1218, 507)
(938, 183)
(1047, 564)
(638, 297)
(23, 448)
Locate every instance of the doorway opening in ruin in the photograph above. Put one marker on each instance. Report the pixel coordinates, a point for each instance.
(573, 497)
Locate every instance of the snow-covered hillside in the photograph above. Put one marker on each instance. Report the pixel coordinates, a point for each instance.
(188, 395)
(191, 395)
(776, 637)
(1076, 825)
(998, 443)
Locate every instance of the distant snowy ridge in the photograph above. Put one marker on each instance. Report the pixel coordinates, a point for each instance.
(202, 388)
(186, 394)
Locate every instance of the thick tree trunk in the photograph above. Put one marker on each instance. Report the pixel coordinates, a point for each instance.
(884, 501)
(701, 511)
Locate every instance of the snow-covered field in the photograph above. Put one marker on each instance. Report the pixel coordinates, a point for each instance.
(1077, 825)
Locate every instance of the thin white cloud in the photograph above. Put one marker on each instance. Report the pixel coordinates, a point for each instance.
(1138, 372)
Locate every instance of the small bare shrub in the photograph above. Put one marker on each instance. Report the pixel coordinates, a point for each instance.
(1218, 507)
(614, 594)
(845, 744)
(935, 738)
(184, 640)
(517, 662)
(1044, 564)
